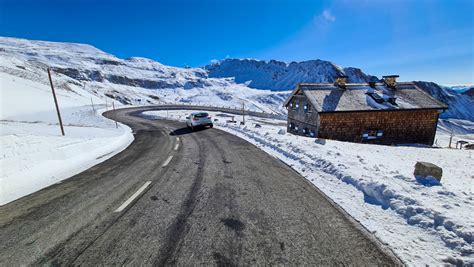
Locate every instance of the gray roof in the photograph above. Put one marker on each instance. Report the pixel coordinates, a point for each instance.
(331, 98)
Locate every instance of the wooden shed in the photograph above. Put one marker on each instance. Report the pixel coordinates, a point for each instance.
(384, 112)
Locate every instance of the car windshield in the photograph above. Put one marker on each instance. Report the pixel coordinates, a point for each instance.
(201, 115)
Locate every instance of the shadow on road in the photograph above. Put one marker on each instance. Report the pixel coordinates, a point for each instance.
(186, 130)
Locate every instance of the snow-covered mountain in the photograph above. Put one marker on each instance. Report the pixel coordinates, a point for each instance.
(460, 102)
(83, 69)
(278, 75)
(87, 63)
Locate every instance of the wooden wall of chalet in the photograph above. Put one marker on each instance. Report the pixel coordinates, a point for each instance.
(301, 117)
(399, 127)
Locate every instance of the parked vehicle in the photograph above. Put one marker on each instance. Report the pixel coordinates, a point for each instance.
(198, 119)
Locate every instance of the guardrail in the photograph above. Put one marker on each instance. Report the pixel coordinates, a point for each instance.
(230, 110)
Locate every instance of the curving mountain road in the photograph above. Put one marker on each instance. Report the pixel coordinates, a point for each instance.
(176, 197)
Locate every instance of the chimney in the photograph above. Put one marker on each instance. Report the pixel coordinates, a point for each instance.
(390, 80)
(341, 81)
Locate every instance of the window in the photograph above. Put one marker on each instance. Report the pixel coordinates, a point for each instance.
(392, 100)
(293, 127)
(307, 107)
(295, 105)
(309, 132)
(201, 115)
(376, 97)
(372, 134)
(291, 104)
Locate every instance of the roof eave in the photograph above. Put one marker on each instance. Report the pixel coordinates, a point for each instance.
(285, 104)
(385, 110)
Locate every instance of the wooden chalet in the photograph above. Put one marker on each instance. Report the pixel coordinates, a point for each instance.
(384, 112)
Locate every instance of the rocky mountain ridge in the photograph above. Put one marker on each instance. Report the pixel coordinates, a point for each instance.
(230, 81)
(279, 76)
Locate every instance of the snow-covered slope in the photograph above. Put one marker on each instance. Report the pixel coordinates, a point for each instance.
(278, 75)
(460, 102)
(33, 154)
(129, 81)
(143, 81)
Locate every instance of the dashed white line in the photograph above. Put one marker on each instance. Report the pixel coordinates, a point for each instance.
(167, 161)
(176, 146)
(126, 203)
(177, 139)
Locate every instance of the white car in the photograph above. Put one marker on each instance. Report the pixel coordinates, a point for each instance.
(198, 119)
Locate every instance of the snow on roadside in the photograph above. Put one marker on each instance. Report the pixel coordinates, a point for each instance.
(375, 184)
(33, 154)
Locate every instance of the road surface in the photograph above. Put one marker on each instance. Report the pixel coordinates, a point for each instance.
(176, 197)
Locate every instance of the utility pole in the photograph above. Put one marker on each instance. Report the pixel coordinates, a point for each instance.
(93, 109)
(115, 116)
(56, 103)
(92, 103)
(451, 138)
(243, 112)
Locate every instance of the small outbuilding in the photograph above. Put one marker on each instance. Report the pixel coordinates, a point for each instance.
(384, 112)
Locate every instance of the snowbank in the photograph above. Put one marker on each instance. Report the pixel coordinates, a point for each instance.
(33, 154)
(375, 184)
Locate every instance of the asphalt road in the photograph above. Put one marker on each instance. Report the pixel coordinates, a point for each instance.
(203, 197)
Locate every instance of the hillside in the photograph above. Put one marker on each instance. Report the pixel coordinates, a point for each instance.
(460, 103)
(82, 70)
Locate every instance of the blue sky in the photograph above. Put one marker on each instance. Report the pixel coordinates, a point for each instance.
(419, 40)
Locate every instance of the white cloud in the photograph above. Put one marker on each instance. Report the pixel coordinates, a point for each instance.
(324, 18)
(328, 16)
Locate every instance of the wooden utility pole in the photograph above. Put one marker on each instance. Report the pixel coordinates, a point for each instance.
(115, 117)
(93, 109)
(451, 139)
(243, 112)
(92, 103)
(56, 102)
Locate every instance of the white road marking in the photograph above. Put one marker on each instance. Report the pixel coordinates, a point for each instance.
(167, 161)
(177, 138)
(176, 146)
(126, 203)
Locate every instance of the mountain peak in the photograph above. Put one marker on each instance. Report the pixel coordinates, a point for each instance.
(280, 75)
